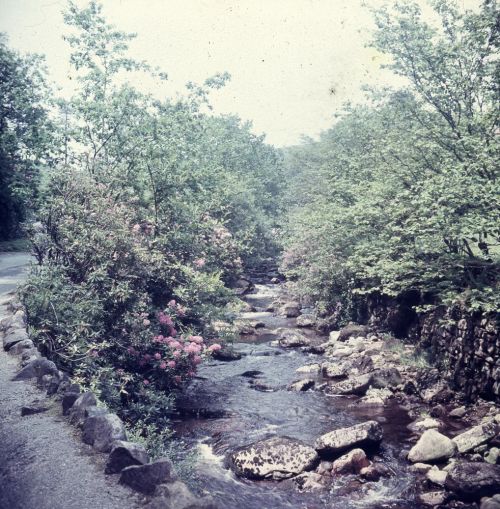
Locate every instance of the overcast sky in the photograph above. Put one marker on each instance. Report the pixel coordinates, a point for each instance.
(293, 62)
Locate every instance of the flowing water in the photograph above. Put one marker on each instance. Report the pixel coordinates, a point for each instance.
(239, 402)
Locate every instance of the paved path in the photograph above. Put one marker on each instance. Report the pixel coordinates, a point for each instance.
(43, 464)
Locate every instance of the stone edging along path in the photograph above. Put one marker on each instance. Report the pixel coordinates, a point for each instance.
(154, 483)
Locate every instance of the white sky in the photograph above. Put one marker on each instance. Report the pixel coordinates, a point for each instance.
(285, 56)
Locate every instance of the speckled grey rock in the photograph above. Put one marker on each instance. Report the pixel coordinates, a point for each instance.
(13, 337)
(366, 434)
(473, 437)
(273, 458)
(357, 385)
(176, 495)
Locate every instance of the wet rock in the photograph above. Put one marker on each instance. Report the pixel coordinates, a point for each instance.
(253, 373)
(356, 385)
(309, 481)
(301, 385)
(145, 478)
(458, 413)
(274, 458)
(492, 456)
(291, 309)
(421, 468)
(352, 330)
(333, 336)
(290, 338)
(374, 472)
(176, 495)
(437, 476)
(36, 369)
(432, 498)
(125, 454)
(102, 430)
(424, 424)
(367, 434)
(475, 436)
(325, 467)
(490, 503)
(36, 407)
(305, 321)
(334, 370)
(374, 398)
(382, 378)
(77, 413)
(310, 368)
(227, 353)
(30, 354)
(13, 337)
(432, 447)
(473, 480)
(350, 463)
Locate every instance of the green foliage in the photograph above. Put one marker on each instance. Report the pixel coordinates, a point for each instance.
(151, 210)
(24, 136)
(403, 194)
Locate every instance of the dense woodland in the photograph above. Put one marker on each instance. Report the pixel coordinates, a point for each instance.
(144, 212)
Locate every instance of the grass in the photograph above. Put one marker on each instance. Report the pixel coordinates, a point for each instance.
(418, 360)
(16, 245)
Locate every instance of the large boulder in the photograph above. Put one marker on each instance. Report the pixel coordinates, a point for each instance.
(37, 369)
(305, 321)
(22, 346)
(351, 463)
(352, 330)
(273, 458)
(145, 478)
(15, 321)
(367, 434)
(291, 309)
(290, 338)
(125, 454)
(357, 385)
(334, 370)
(432, 446)
(13, 337)
(471, 481)
(78, 410)
(101, 431)
(476, 436)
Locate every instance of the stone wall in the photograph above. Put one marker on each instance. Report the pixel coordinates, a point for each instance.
(465, 345)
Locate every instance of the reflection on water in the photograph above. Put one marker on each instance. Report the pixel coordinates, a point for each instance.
(235, 403)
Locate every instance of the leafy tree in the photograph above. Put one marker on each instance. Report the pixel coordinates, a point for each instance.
(24, 136)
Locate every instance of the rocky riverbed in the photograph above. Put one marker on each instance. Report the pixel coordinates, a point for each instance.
(292, 418)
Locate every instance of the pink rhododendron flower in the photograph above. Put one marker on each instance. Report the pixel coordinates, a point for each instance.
(175, 344)
(172, 303)
(173, 332)
(136, 228)
(163, 365)
(197, 339)
(157, 356)
(145, 381)
(165, 319)
(171, 364)
(178, 379)
(196, 359)
(214, 347)
(200, 262)
(146, 322)
(176, 353)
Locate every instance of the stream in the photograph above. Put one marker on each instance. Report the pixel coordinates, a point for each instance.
(236, 403)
